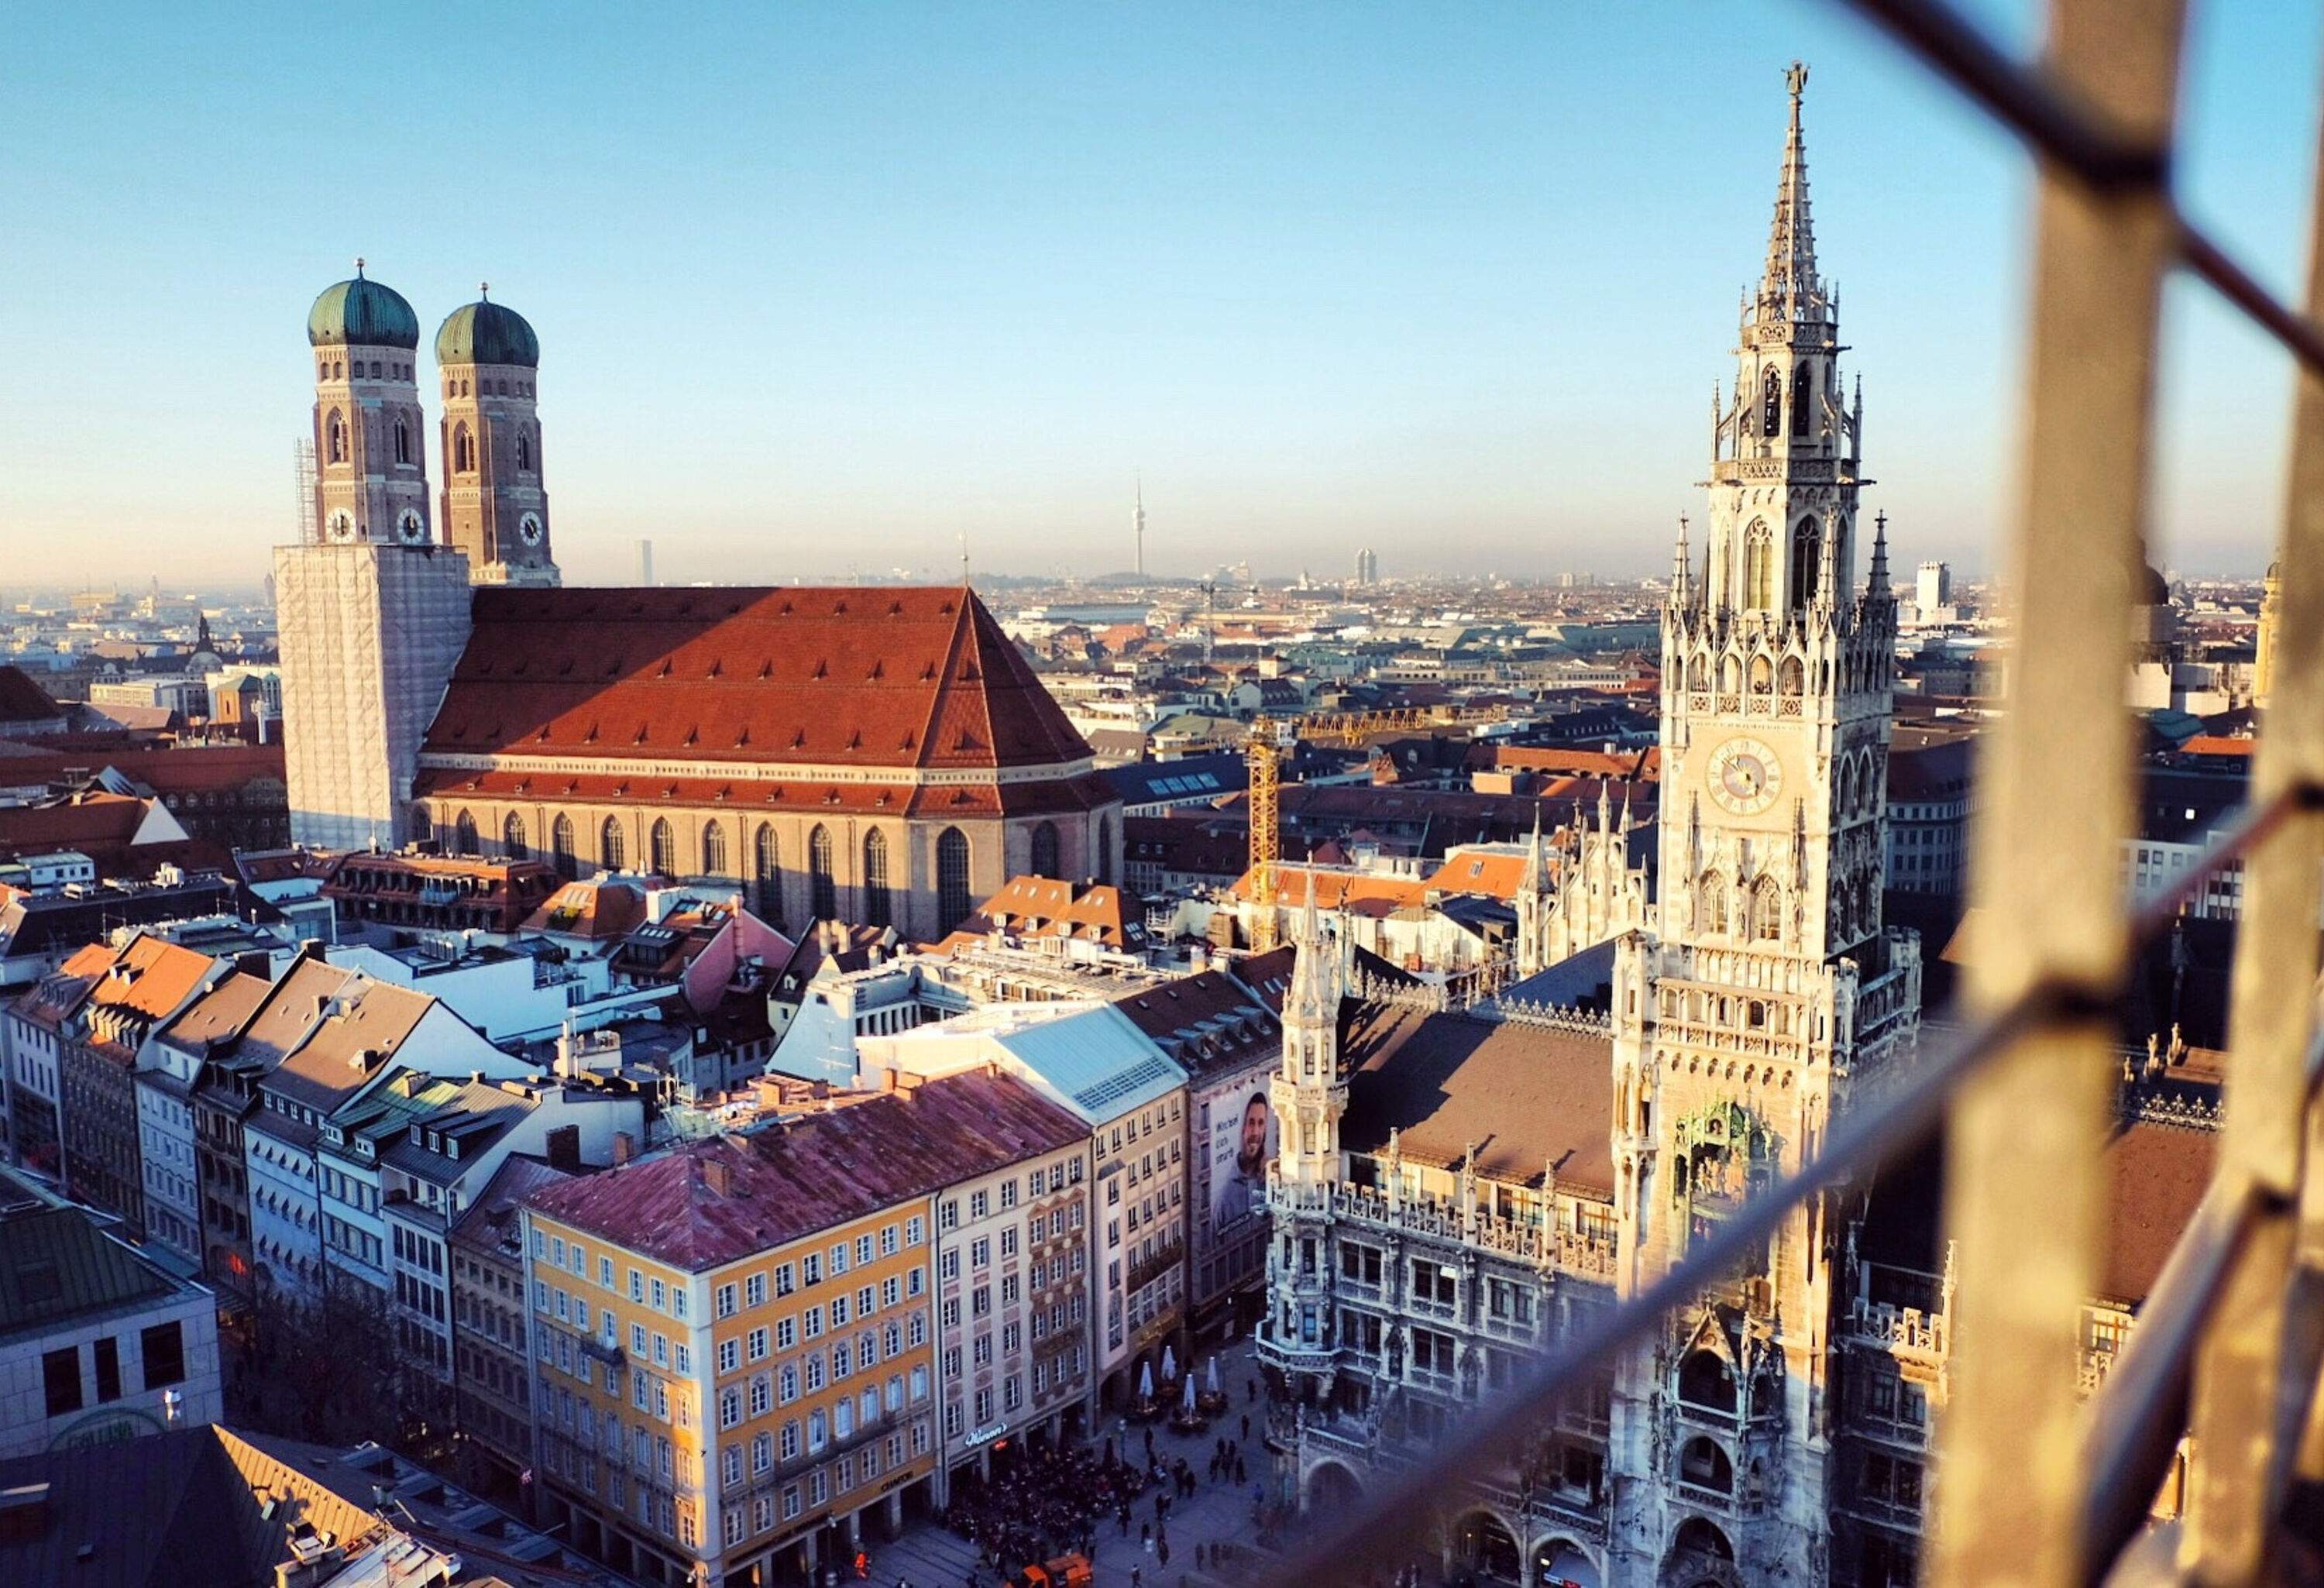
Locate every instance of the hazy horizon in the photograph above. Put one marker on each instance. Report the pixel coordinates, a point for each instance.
(817, 292)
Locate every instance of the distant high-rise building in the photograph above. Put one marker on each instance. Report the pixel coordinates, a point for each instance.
(1367, 567)
(1934, 587)
(1138, 527)
(645, 563)
(495, 507)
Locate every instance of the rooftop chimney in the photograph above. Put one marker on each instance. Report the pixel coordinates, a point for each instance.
(625, 1147)
(563, 1148)
(719, 1176)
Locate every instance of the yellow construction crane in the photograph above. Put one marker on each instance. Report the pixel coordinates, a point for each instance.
(1263, 757)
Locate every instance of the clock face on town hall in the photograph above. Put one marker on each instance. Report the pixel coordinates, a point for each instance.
(1744, 777)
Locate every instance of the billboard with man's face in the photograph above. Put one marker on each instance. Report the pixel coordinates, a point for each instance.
(1242, 1144)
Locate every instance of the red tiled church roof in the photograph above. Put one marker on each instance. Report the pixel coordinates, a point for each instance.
(871, 677)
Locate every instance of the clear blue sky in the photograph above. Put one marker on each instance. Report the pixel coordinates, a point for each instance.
(819, 285)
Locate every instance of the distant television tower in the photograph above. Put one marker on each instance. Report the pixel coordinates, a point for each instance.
(1137, 526)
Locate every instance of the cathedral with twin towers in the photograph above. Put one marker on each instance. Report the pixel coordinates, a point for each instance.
(880, 754)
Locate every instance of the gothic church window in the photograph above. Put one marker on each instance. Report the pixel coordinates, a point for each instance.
(953, 902)
(423, 826)
(1710, 906)
(513, 838)
(464, 834)
(766, 869)
(403, 441)
(714, 851)
(1045, 850)
(523, 450)
(879, 907)
(611, 850)
(464, 450)
(336, 442)
(662, 854)
(562, 850)
(1800, 403)
(822, 883)
(1771, 404)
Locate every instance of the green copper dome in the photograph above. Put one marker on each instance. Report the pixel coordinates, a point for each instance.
(485, 332)
(362, 313)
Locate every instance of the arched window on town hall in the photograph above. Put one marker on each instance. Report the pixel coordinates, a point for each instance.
(1760, 567)
(1802, 405)
(1710, 906)
(1768, 911)
(513, 838)
(953, 902)
(879, 905)
(713, 850)
(1771, 404)
(611, 853)
(563, 854)
(1807, 555)
(464, 835)
(663, 855)
(821, 881)
(767, 873)
(1045, 850)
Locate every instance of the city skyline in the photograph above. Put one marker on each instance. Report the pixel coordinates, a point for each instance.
(983, 272)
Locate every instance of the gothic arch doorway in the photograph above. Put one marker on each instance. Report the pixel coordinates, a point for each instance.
(1332, 1486)
(1700, 1557)
(1561, 1563)
(1483, 1543)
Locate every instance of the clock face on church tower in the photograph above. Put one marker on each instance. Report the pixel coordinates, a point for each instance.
(1745, 776)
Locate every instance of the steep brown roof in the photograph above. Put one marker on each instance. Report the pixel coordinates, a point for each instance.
(855, 677)
(219, 1015)
(1525, 1096)
(792, 1180)
(2159, 1173)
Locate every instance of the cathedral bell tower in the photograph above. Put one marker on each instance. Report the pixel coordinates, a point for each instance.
(495, 505)
(373, 611)
(371, 439)
(1767, 988)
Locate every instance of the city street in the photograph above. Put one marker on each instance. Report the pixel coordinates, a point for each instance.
(931, 1555)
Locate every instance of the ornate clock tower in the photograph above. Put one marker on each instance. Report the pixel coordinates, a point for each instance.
(1768, 990)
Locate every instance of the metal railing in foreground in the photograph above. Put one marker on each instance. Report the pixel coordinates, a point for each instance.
(2034, 1489)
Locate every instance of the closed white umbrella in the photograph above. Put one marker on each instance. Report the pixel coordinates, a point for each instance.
(1146, 1382)
(1189, 1402)
(1169, 1364)
(1211, 1376)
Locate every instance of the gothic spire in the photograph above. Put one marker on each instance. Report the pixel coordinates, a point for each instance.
(1536, 874)
(1681, 584)
(1790, 279)
(1312, 996)
(1879, 578)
